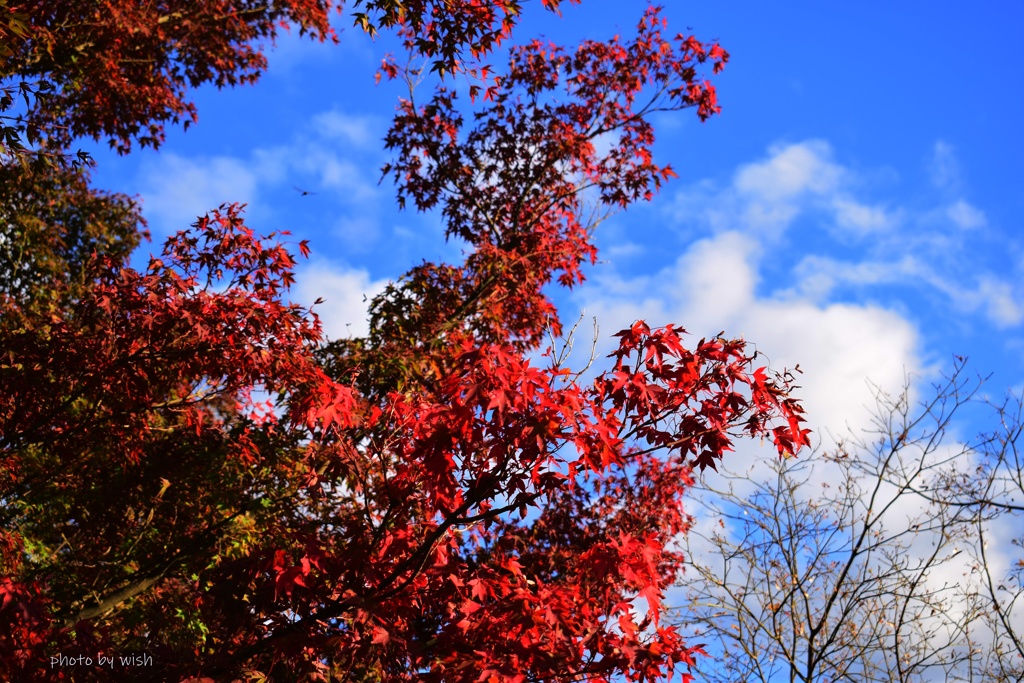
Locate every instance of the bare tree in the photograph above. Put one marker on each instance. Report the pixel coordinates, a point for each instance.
(991, 488)
(868, 562)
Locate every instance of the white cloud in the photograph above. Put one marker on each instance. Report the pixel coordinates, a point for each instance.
(766, 197)
(994, 297)
(965, 216)
(713, 287)
(1002, 303)
(860, 218)
(789, 172)
(799, 189)
(335, 173)
(624, 250)
(358, 131)
(817, 277)
(177, 190)
(943, 167)
(346, 294)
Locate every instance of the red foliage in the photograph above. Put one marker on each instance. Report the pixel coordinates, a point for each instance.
(428, 503)
(120, 70)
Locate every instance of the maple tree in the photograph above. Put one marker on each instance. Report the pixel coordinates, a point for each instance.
(440, 500)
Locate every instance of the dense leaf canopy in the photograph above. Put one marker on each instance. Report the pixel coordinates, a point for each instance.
(189, 470)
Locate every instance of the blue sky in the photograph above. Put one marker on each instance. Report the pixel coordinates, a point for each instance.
(855, 209)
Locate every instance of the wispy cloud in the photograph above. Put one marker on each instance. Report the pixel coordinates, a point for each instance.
(965, 216)
(819, 276)
(943, 168)
(766, 197)
(800, 198)
(329, 159)
(176, 190)
(861, 219)
(358, 131)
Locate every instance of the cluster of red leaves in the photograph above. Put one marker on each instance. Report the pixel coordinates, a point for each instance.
(206, 323)
(502, 597)
(119, 70)
(663, 401)
(445, 31)
(128, 391)
(428, 503)
(514, 186)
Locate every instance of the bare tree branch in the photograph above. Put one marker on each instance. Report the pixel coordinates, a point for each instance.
(870, 562)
